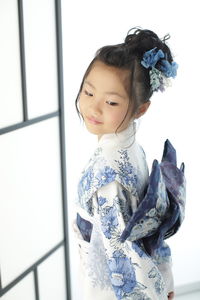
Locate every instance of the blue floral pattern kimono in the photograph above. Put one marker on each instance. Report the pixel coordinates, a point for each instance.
(123, 217)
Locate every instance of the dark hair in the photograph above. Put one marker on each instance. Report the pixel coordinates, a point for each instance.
(128, 56)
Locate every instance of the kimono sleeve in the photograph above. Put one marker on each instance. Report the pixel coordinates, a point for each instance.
(163, 261)
(131, 271)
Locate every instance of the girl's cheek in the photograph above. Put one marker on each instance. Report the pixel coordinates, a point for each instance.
(120, 115)
(116, 118)
(81, 104)
(81, 109)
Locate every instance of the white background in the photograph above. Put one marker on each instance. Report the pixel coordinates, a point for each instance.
(88, 25)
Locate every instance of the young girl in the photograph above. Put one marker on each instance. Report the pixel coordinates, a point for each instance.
(123, 214)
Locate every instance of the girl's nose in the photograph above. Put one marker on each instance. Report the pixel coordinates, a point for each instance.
(96, 107)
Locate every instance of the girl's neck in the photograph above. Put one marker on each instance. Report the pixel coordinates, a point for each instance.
(126, 136)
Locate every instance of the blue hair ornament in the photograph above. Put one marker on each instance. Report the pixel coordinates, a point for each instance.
(151, 57)
(160, 74)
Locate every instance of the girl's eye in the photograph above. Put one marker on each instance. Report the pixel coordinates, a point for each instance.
(87, 93)
(112, 103)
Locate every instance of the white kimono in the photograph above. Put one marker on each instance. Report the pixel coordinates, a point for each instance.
(110, 188)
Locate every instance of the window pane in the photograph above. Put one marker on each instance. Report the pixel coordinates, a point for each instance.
(51, 274)
(31, 220)
(23, 290)
(40, 49)
(10, 74)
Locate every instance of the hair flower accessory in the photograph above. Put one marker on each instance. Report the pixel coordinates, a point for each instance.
(160, 69)
(169, 70)
(151, 57)
(157, 80)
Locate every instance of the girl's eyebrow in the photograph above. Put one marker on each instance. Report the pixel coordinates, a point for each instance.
(89, 83)
(108, 93)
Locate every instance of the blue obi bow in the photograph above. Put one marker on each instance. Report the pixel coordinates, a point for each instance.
(161, 212)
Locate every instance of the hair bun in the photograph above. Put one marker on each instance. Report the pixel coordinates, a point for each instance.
(140, 35)
(142, 40)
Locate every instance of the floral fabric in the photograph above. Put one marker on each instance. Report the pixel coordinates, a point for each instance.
(116, 220)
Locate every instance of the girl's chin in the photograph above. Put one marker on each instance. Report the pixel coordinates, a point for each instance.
(93, 130)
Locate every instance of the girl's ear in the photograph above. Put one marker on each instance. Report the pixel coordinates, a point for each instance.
(142, 109)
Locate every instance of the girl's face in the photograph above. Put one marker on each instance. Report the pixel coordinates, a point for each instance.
(104, 101)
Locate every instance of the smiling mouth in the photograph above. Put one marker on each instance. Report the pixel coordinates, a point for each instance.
(93, 121)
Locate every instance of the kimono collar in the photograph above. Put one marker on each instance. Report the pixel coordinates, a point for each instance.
(124, 138)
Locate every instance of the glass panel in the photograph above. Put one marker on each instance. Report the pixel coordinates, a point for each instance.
(40, 49)
(23, 290)
(31, 219)
(51, 274)
(10, 76)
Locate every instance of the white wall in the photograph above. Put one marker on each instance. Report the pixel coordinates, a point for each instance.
(88, 25)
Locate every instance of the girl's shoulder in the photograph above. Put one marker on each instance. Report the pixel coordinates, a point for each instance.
(125, 165)
(118, 157)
